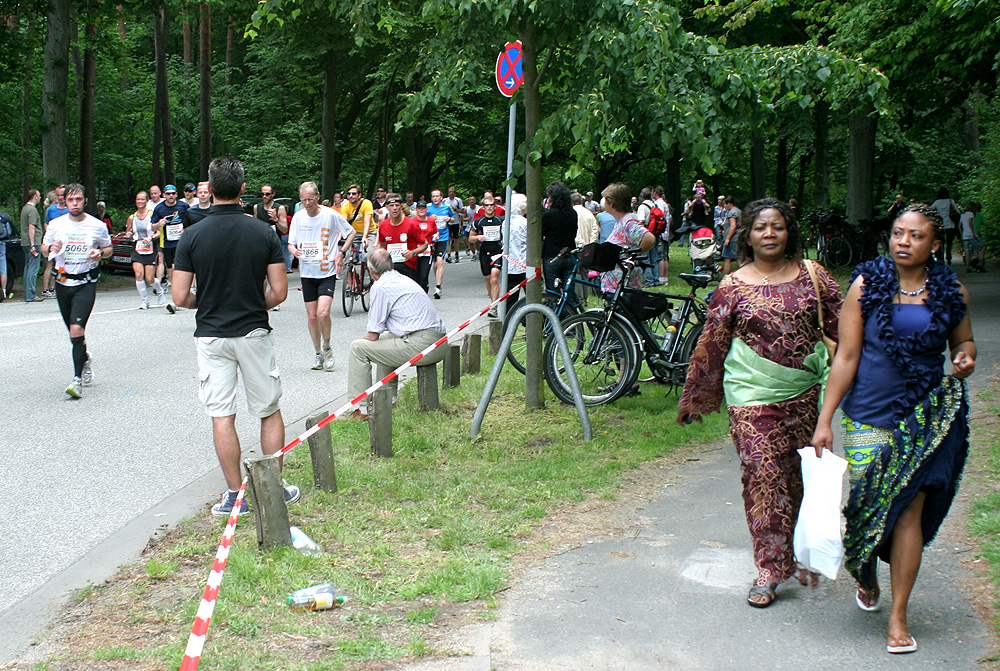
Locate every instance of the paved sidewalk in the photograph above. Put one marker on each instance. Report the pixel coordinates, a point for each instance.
(666, 587)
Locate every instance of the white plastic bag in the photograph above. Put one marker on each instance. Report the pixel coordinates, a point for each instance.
(818, 542)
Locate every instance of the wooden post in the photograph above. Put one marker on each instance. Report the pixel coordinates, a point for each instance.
(321, 450)
(472, 350)
(452, 367)
(380, 422)
(271, 513)
(427, 387)
(496, 337)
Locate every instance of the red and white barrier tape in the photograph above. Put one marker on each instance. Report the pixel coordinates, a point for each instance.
(199, 632)
(355, 402)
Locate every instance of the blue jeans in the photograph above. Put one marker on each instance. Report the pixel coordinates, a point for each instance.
(652, 275)
(31, 266)
(287, 254)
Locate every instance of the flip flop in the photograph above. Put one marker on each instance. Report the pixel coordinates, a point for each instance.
(861, 604)
(902, 649)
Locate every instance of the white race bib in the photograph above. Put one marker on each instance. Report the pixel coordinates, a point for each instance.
(491, 233)
(442, 221)
(396, 250)
(143, 246)
(312, 251)
(77, 248)
(174, 231)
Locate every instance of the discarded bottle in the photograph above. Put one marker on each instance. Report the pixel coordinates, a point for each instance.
(323, 601)
(323, 588)
(304, 544)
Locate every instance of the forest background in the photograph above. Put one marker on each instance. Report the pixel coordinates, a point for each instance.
(839, 104)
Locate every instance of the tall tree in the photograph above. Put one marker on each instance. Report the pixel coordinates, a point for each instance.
(89, 86)
(162, 133)
(55, 87)
(205, 65)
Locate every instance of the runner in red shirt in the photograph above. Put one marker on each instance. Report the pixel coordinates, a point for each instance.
(402, 237)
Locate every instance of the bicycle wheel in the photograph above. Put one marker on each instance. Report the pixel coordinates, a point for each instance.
(517, 354)
(604, 373)
(364, 280)
(837, 252)
(347, 292)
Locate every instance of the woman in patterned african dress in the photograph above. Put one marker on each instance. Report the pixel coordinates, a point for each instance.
(905, 422)
(762, 352)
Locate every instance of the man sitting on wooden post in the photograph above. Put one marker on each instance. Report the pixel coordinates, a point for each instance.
(402, 322)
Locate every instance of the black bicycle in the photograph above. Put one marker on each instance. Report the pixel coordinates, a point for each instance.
(564, 301)
(608, 346)
(357, 281)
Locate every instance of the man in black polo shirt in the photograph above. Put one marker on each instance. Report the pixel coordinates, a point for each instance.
(232, 329)
(487, 230)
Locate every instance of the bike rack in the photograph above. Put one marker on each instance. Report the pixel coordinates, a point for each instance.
(508, 338)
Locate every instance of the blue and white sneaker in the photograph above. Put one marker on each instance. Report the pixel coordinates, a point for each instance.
(224, 507)
(292, 493)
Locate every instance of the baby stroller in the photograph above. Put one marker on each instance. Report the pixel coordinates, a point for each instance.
(703, 249)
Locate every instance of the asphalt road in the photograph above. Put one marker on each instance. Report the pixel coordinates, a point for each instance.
(665, 587)
(87, 482)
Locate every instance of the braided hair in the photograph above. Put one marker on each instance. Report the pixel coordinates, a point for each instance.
(930, 213)
(793, 248)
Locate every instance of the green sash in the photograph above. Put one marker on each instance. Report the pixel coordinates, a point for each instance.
(750, 379)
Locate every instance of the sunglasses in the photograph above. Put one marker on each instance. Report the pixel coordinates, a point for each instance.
(266, 193)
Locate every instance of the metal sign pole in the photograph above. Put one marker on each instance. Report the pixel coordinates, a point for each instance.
(511, 129)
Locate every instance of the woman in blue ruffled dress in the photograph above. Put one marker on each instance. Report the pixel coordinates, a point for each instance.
(905, 422)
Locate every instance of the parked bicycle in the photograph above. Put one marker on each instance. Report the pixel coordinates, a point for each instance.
(609, 346)
(357, 281)
(564, 301)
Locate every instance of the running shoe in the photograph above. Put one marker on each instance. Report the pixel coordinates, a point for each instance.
(194, 289)
(161, 298)
(49, 293)
(171, 308)
(292, 492)
(447, 258)
(327, 359)
(224, 507)
(318, 363)
(87, 375)
(437, 292)
(75, 388)
(144, 306)
(276, 308)
(166, 283)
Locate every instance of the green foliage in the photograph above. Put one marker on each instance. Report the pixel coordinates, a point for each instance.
(983, 181)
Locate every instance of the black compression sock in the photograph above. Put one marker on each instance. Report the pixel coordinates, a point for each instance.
(79, 354)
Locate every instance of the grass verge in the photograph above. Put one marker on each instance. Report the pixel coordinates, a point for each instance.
(984, 512)
(426, 536)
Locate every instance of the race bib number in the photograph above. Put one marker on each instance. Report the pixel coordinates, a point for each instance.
(491, 233)
(77, 248)
(312, 252)
(442, 221)
(174, 231)
(144, 246)
(396, 250)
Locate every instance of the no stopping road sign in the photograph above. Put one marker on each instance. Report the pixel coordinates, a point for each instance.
(509, 72)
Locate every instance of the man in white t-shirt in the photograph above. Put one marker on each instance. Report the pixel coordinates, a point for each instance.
(319, 237)
(77, 242)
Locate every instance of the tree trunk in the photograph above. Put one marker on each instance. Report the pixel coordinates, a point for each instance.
(230, 38)
(800, 189)
(205, 66)
(121, 38)
(674, 197)
(161, 109)
(188, 53)
(87, 176)
(54, 89)
(861, 164)
(26, 123)
(419, 161)
(328, 127)
(533, 395)
(821, 178)
(758, 169)
(971, 131)
(781, 170)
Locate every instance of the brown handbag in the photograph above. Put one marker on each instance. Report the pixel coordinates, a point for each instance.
(831, 344)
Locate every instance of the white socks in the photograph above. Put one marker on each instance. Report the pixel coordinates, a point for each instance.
(141, 286)
(157, 288)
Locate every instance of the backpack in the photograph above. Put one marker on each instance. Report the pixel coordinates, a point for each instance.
(657, 222)
(7, 230)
